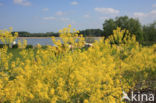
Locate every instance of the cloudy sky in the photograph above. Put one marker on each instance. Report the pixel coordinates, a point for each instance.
(52, 15)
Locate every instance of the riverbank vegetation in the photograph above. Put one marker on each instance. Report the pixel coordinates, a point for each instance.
(145, 34)
(61, 74)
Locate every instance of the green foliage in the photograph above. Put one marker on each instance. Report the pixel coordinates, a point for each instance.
(29, 46)
(91, 32)
(124, 22)
(15, 46)
(149, 32)
(27, 34)
(108, 27)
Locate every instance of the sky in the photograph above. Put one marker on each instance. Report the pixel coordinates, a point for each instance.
(52, 15)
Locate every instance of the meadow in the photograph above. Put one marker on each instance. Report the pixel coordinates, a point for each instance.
(65, 74)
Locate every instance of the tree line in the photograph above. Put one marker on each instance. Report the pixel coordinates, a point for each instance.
(86, 33)
(144, 33)
(28, 34)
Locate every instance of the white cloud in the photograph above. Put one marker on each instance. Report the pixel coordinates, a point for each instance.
(45, 9)
(60, 13)
(74, 3)
(1, 4)
(22, 2)
(145, 17)
(107, 10)
(154, 5)
(87, 16)
(49, 18)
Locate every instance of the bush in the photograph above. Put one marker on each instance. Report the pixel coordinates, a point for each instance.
(29, 46)
(3, 45)
(15, 46)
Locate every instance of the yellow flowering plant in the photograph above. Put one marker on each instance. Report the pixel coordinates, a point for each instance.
(7, 37)
(65, 73)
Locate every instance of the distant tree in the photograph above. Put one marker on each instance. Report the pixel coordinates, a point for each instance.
(124, 22)
(108, 27)
(23, 34)
(149, 32)
(27, 34)
(91, 32)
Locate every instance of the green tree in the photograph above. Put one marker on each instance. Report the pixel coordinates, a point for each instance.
(91, 32)
(149, 32)
(124, 22)
(108, 27)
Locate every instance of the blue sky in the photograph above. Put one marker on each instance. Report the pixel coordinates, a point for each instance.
(52, 15)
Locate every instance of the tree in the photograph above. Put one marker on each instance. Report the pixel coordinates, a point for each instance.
(91, 32)
(124, 22)
(108, 27)
(149, 32)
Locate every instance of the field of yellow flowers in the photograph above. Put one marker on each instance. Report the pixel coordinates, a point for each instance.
(61, 74)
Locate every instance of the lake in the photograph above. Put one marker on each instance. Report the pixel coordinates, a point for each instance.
(47, 40)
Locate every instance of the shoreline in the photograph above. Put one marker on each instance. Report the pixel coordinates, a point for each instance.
(50, 37)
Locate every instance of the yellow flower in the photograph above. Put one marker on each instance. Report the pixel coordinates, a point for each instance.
(52, 91)
(69, 26)
(31, 96)
(85, 101)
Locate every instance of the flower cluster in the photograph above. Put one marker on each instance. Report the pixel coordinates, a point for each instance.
(6, 37)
